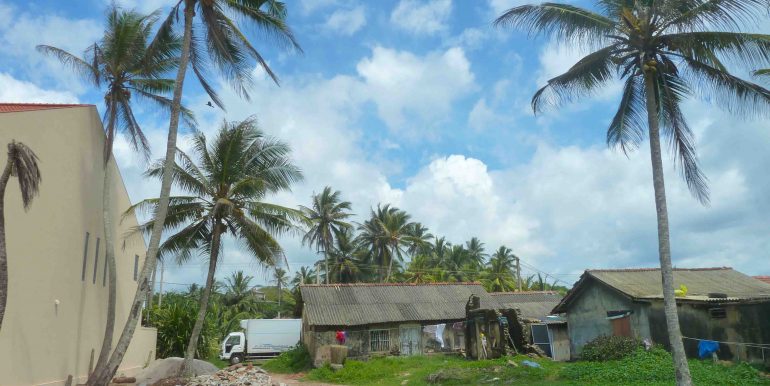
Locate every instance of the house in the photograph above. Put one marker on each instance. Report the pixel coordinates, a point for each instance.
(534, 308)
(389, 318)
(720, 304)
(57, 282)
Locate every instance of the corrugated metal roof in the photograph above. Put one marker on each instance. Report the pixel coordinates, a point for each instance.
(20, 107)
(360, 304)
(646, 284)
(532, 304)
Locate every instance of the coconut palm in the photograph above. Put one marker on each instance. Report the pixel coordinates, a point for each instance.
(22, 164)
(475, 249)
(345, 262)
(665, 51)
(216, 43)
(228, 187)
(421, 240)
(281, 280)
(239, 293)
(386, 236)
(305, 275)
(126, 62)
(499, 274)
(419, 270)
(327, 218)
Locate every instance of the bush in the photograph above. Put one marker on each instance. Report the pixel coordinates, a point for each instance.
(607, 348)
(656, 367)
(175, 322)
(293, 361)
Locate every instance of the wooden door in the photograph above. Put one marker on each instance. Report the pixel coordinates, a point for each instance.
(410, 339)
(621, 326)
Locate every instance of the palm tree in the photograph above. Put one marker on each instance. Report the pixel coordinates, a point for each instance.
(22, 164)
(303, 276)
(421, 240)
(127, 61)
(386, 236)
(228, 188)
(499, 274)
(281, 280)
(229, 51)
(475, 249)
(666, 51)
(327, 218)
(346, 264)
(420, 270)
(238, 290)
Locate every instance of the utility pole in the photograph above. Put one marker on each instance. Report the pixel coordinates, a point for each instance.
(518, 272)
(160, 292)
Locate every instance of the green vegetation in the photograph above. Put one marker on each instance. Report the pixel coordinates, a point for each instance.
(606, 348)
(656, 367)
(293, 361)
(641, 367)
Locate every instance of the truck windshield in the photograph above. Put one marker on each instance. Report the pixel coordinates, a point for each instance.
(233, 340)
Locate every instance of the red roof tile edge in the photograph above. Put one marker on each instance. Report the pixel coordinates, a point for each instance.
(21, 107)
(765, 279)
(387, 284)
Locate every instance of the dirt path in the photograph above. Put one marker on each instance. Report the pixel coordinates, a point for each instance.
(293, 380)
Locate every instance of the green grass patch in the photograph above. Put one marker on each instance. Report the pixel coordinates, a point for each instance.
(292, 361)
(214, 360)
(446, 370)
(656, 367)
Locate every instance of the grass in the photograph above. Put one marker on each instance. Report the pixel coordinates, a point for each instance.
(451, 370)
(293, 361)
(220, 364)
(641, 368)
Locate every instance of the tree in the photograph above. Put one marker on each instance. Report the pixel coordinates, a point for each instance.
(231, 53)
(420, 243)
(475, 248)
(22, 164)
(499, 274)
(327, 220)
(386, 236)
(665, 51)
(346, 265)
(228, 188)
(305, 275)
(127, 61)
(281, 281)
(239, 293)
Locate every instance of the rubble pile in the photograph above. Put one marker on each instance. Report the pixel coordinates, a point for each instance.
(235, 375)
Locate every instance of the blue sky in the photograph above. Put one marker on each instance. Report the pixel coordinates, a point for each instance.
(425, 105)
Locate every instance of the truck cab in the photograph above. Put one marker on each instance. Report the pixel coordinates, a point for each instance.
(233, 347)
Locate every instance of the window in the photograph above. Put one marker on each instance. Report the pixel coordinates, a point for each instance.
(96, 261)
(541, 338)
(233, 340)
(85, 258)
(379, 340)
(717, 313)
(136, 267)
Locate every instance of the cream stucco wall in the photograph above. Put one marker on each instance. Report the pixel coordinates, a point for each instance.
(41, 343)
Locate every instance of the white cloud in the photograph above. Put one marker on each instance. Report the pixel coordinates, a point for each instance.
(144, 6)
(309, 6)
(500, 6)
(14, 90)
(406, 86)
(23, 32)
(420, 17)
(346, 21)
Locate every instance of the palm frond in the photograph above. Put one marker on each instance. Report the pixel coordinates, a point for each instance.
(23, 163)
(627, 128)
(560, 21)
(87, 71)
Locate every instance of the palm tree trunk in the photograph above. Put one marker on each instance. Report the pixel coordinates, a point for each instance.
(109, 248)
(390, 268)
(3, 252)
(104, 374)
(192, 344)
(664, 246)
(326, 264)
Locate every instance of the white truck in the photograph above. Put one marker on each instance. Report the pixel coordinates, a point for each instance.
(261, 338)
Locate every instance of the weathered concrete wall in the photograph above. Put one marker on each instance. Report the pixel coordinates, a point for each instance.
(587, 317)
(748, 323)
(357, 340)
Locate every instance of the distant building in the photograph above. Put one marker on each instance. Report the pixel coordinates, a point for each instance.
(383, 319)
(534, 308)
(57, 292)
(721, 304)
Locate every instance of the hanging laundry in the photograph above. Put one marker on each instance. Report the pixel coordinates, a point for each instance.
(706, 348)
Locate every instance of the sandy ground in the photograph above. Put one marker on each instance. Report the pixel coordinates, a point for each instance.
(291, 380)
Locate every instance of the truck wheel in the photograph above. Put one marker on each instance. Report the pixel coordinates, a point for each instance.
(236, 358)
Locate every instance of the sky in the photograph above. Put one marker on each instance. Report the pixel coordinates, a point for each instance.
(425, 105)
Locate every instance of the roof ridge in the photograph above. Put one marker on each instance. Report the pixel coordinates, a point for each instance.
(658, 269)
(333, 285)
(22, 107)
(524, 293)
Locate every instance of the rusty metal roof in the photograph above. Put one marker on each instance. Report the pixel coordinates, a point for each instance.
(532, 304)
(646, 284)
(361, 304)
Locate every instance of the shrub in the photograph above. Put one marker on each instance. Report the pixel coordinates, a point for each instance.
(293, 361)
(607, 348)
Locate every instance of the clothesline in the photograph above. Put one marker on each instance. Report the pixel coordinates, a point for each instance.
(755, 345)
